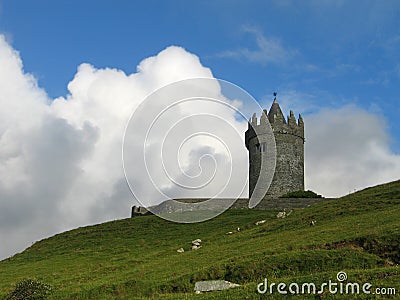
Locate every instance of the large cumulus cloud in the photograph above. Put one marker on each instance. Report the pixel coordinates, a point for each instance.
(348, 149)
(60, 159)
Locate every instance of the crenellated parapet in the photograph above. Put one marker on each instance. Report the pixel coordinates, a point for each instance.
(289, 126)
(278, 123)
(285, 126)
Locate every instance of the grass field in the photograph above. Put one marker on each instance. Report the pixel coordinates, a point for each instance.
(137, 258)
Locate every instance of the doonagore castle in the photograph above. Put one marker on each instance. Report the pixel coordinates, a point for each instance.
(289, 139)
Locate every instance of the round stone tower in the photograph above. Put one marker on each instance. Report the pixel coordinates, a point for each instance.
(289, 140)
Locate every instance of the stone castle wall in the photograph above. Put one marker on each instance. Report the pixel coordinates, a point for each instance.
(253, 140)
(289, 170)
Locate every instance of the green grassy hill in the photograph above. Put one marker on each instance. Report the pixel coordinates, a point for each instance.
(137, 258)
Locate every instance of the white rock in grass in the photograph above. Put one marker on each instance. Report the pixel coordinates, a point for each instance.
(281, 214)
(260, 222)
(213, 285)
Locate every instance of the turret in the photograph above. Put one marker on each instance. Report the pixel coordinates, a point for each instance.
(275, 114)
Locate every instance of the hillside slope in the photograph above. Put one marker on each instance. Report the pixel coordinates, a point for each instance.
(137, 258)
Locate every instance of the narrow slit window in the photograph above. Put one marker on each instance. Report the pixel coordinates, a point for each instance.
(261, 147)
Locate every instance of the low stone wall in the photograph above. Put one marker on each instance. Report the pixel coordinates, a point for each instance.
(280, 203)
(180, 205)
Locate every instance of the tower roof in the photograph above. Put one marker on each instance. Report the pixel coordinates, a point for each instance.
(275, 112)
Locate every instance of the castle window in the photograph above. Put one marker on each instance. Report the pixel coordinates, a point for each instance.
(261, 147)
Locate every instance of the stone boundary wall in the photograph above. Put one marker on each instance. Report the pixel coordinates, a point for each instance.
(242, 203)
(280, 203)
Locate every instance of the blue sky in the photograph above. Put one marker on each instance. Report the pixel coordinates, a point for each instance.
(327, 52)
(65, 103)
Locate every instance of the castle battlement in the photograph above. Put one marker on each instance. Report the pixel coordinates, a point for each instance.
(278, 123)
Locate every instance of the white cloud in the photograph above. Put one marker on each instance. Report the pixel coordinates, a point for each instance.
(268, 50)
(347, 149)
